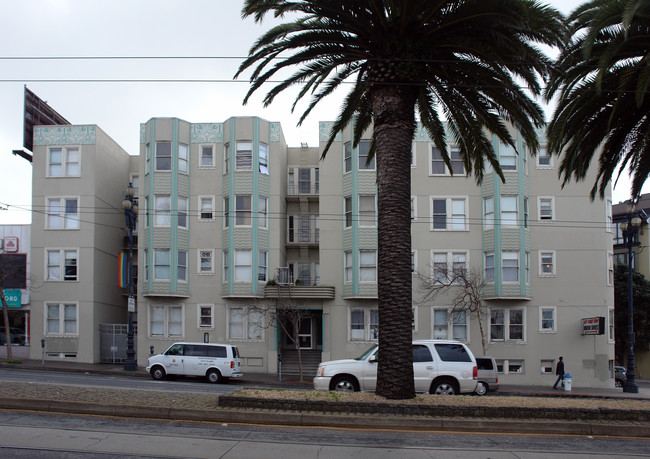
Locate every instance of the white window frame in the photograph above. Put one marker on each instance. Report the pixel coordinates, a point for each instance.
(226, 158)
(252, 331)
(414, 208)
(61, 318)
(347, 211)
(183, 158)
(226, 212)
(451, 256)
(200, 315)
(503, 148)
(206, 199)
(546, 366)
(263, 212)
(166, 320)
(553, 310)
(608, 216)
(347, 157)
(243, 265)
(370, 329)
(182, 217)
(539, 208)
(414, 262)
(453, 151)
(156, 264)
(161, 158)
(245, 213)
(348, 267)
(540, 266)
(449, 324)
(362, 164)
(262, 266)
(486, 255)
(67, 221)
(505, 215)
(367, 217)
(243, 155)
(181, 269)
(488, 212)
(212, 148)
(507, 325)
(263, 165)
(611, 326)
(451, 219)
(368, 268)
(504, 267)
(546, 155)
(61, 265)
(65, 163)
(202, 254)
(610, 268)
(225, 264)
(162, 215)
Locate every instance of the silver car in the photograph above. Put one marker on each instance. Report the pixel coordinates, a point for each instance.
(488, 376)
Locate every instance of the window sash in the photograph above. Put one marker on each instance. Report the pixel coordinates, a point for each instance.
(244, 156)
(367, 266)
(181, 265)
(367, 210)
(207, 155)
(510, 266)
(183, 158)
(163, 156)
(508, 211)
(364, 152)
(207, 208)
(243, 265)
(162, 265)
(262, 211)
(162, 210)
(182, 212)
(242, 210)
(264, 158)
(206, 258)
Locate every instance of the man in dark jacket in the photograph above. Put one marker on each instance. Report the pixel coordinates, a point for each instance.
(559, 371)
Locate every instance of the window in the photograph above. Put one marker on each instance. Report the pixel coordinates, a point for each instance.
(544, 159)
(367, 210)
(242, 210)
(163, 156)
(262, 212)
(447, 265)
(205, 315)
(367, 266)
(165, 321)
(510, 266)
(525, 212)
(449, 214)
(181, 268)
(608, 216)
(610, 329)
(226, 158)
(347, 261)
(438, 166)
(226, 212)
(62, 264)
(182, 212)
(163, 210)
(414, 213)
(348, 157)
(64, 162)
(62, 213)
(488, 266)
(527, 267)
(264, 158)
(547, 319)
(488, 212)
(515, 366)
(207, 156)
(348, 212)
(364, 153)
(243, 266)
(449, 352)
(61, 319)
(364, 324)
(546, 208)
(508, 210)
(206, 261)
(414, 261)
(547, 367)
(244, 156)
(245, 323)
(507, 157)
(206, 207)
(440, 324)
(506, 324)
(147, 213)
(161, 261)
(183, 158)
(226, 264)
(546, 263)
(610, 268)
(262, 266)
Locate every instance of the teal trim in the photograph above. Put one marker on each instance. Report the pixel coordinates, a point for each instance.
(522, 231)
(355, 209)
(173, 224)
(231, 180)
(152, 160)
(498, 287)
(255, 141)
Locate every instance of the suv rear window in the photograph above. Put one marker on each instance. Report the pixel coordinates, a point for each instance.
(484, 364)
(452, 353)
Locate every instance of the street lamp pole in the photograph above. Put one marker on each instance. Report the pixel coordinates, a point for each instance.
(131, 215)
(630, 230)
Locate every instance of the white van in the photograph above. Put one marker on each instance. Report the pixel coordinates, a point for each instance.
(214, 361)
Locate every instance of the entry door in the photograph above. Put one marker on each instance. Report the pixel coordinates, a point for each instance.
(305, 333)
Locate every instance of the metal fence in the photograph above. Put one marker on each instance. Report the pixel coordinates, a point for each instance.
(112, 342)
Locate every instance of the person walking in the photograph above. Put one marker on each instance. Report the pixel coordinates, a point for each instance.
(559, 371)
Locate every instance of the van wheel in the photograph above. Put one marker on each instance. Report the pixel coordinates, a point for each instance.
(158, 373)
(214, 376)
(444, 387)
(344, 384)
(481, 388)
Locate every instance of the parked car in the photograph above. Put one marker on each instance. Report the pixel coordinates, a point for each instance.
(214, 361)
(17, 336)
(488, 376)
(620, 376)
(439, 367)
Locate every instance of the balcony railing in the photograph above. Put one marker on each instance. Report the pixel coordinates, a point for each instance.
(303, 236)
(306, 188)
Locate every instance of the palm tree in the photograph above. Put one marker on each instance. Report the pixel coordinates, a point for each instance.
(601, 82)
(455, 59)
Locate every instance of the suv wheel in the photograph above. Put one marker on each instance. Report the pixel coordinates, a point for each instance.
(444, 387)
(344, 384)
(481, 388)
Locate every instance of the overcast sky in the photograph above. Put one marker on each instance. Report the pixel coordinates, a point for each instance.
(123, 28)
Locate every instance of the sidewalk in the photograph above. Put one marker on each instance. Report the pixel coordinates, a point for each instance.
(266, 379)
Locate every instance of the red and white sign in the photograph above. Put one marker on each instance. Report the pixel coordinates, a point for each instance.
(11, 244)
(593, 326)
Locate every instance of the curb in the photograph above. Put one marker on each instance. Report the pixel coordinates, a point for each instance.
(343, 420)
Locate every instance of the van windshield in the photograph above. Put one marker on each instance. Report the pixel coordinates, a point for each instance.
(367, 353)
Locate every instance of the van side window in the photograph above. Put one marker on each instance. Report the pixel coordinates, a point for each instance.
(452, 353)
(195, 350)
(421, 353)
(217, 351)
(176, 349)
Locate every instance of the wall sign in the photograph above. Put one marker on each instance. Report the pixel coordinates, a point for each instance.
(593, 326)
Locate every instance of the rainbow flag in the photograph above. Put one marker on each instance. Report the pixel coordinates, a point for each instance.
(122, 270)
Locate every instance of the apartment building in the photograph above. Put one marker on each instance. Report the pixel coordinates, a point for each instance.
(233, 221)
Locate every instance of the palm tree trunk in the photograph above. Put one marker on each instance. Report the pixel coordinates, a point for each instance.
(394, 125)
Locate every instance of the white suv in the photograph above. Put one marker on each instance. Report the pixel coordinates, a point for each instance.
(439, 367)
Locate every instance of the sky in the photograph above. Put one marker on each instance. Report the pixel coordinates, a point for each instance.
(200, 40)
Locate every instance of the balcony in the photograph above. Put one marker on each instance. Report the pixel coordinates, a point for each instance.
(301, 190)
(302, 237)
